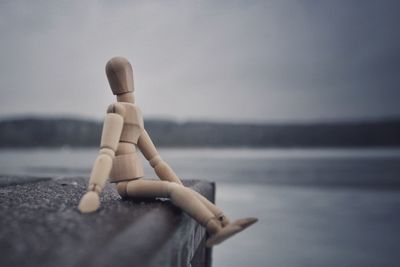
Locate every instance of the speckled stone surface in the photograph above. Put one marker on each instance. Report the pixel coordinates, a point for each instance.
(41, 226)
(14, 180)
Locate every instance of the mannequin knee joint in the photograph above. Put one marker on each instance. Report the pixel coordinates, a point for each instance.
(121, 188)
(176, 190)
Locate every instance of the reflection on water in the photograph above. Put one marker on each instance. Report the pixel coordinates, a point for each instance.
(316, 207)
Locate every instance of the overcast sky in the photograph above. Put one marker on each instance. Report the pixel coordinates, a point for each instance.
(218, 60)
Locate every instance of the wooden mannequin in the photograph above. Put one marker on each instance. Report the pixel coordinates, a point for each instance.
(123, 135)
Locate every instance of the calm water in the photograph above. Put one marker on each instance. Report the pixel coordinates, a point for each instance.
(316, 207)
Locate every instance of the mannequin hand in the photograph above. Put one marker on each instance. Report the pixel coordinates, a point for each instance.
(90, 202)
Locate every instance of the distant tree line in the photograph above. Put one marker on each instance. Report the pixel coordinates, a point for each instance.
(45, 132)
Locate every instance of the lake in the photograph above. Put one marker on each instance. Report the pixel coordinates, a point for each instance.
(317, 207)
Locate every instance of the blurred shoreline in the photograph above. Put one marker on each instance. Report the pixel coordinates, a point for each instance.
(42, 132)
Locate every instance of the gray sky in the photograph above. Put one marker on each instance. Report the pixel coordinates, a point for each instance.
(218, 60)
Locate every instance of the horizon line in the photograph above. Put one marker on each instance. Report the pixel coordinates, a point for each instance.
(208, 120)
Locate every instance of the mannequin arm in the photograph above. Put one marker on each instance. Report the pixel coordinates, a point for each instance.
(162, 169)
(112, 129)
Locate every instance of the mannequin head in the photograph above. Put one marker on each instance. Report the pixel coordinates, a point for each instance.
(120, 77)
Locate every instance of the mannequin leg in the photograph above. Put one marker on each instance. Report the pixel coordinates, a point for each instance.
(189, 202)
(209, 205)
(181, 196)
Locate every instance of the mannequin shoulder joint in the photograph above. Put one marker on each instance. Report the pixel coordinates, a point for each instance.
(116, 108)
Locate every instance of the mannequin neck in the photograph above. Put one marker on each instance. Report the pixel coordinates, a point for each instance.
(127, 97)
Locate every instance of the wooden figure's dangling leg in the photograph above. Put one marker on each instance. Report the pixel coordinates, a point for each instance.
(184, 198)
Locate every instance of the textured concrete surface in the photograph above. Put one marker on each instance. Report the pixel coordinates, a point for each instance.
(41, 226)
(14, 180)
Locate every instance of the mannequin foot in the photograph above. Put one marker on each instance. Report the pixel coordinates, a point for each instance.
(229, 230)
(245, 222)
(223, 234)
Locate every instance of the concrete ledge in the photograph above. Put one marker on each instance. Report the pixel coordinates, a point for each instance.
(41, 226)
